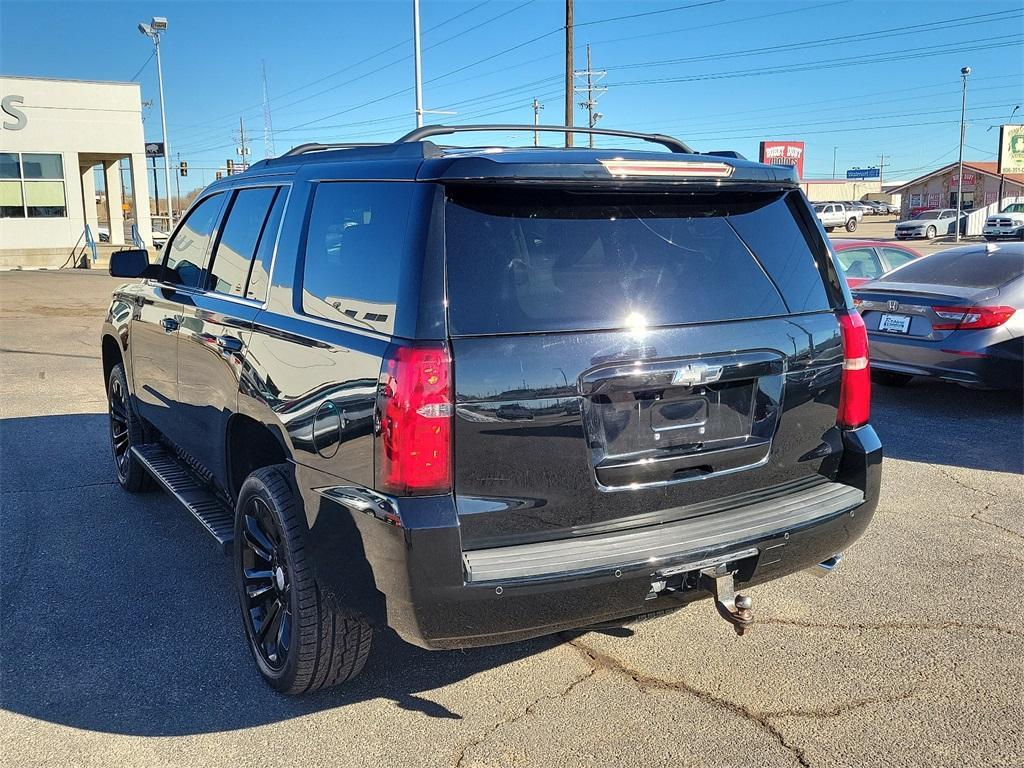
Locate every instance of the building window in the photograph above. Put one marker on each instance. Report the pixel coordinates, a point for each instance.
(32, 185)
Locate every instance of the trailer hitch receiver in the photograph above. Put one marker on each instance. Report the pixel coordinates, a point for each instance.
(734, 608)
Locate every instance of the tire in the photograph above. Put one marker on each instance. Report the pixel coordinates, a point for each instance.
(126, 428)
(307, 641)
(891, 378)
(830, 229)
(929, 233)
(851, 225)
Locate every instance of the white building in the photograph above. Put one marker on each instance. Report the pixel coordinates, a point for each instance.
(53, 135)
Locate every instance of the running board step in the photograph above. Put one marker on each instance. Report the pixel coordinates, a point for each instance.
(177, 480)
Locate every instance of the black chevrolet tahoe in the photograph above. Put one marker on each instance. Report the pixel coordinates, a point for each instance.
(484, 394)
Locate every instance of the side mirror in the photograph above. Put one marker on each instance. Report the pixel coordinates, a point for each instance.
(133, 262)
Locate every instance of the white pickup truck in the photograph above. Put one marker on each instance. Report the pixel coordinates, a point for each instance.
(834, 215)
(1009, 223)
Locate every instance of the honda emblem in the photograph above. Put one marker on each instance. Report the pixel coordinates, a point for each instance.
(893, 305)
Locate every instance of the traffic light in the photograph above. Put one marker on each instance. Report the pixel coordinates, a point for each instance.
(230, 166)
(183, 168)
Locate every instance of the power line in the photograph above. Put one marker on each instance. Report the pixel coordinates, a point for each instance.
(139, 72)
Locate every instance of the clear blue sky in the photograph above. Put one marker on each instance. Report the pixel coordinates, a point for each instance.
(867, 77)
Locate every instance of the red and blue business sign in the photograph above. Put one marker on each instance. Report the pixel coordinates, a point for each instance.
(784, 153)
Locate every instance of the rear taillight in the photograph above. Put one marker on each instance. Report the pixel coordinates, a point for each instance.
(970, 318)
(414, 409)
(855, 394)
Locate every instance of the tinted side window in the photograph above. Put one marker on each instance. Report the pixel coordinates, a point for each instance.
(239, 237)
(355, 247)
(895, 257)
(772, 233)
(859, 262)
(259, 278)
(186, 253)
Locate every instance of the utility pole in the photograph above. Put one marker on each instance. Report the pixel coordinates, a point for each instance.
(268, 124)
(964, 72)
(416, 65)
(835, 150)
(881, 169)
(243, 146)
(156, 191)
(568, 70)
(537, 107)
(591, 91)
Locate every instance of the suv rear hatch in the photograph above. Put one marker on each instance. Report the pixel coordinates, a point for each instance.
(628, 358)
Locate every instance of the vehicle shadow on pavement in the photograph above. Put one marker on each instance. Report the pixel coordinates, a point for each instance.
(939, 423)
(120, 615)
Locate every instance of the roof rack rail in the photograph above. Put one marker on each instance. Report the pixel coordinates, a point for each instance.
(302, 149)
(442, 130)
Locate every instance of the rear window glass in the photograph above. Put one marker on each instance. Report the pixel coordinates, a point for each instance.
(973, 268)
(541, 260)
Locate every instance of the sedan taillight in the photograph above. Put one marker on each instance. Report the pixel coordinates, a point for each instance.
(970, 318)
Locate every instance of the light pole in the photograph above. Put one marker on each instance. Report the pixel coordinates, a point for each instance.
(964, 72)
(834, 151)
(416, 65)
(153, 30)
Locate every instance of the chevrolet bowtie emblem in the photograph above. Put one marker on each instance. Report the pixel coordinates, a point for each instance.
(692, 374)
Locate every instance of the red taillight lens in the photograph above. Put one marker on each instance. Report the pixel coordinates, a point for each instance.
(970, 318)
(855, 394)
(414, 406)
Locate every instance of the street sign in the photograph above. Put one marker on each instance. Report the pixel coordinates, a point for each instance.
(864, 173)
(155, 149)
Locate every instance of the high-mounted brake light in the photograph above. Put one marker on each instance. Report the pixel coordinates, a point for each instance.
(414, 408)
(692, 169)
(970, 318)
(855, 388)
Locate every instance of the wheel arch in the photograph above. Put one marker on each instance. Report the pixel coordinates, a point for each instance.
(250, 445)
(111, 353)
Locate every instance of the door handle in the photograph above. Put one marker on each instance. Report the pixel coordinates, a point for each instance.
(229, 344)
(169, 324)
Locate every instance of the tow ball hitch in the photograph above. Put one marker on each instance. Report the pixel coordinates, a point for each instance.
(732, 607)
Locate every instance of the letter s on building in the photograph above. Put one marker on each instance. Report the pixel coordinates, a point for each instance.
(11, 111)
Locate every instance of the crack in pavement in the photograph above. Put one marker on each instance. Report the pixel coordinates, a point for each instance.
(840, 709)
(524, 713)
(950, 476)
(901, 625)
(645, 682)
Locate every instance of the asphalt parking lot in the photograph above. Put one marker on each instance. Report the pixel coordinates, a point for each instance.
(120, 642)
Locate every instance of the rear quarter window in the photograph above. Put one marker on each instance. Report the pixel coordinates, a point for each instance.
(356, 245)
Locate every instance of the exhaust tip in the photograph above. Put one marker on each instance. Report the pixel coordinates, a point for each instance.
(825, 567)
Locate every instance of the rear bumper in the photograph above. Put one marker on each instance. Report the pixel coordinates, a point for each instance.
(438, 597)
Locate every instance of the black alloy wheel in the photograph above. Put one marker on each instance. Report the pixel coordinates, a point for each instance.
(126, 429)
(267, 584)
(301, 638)
(120, 439)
